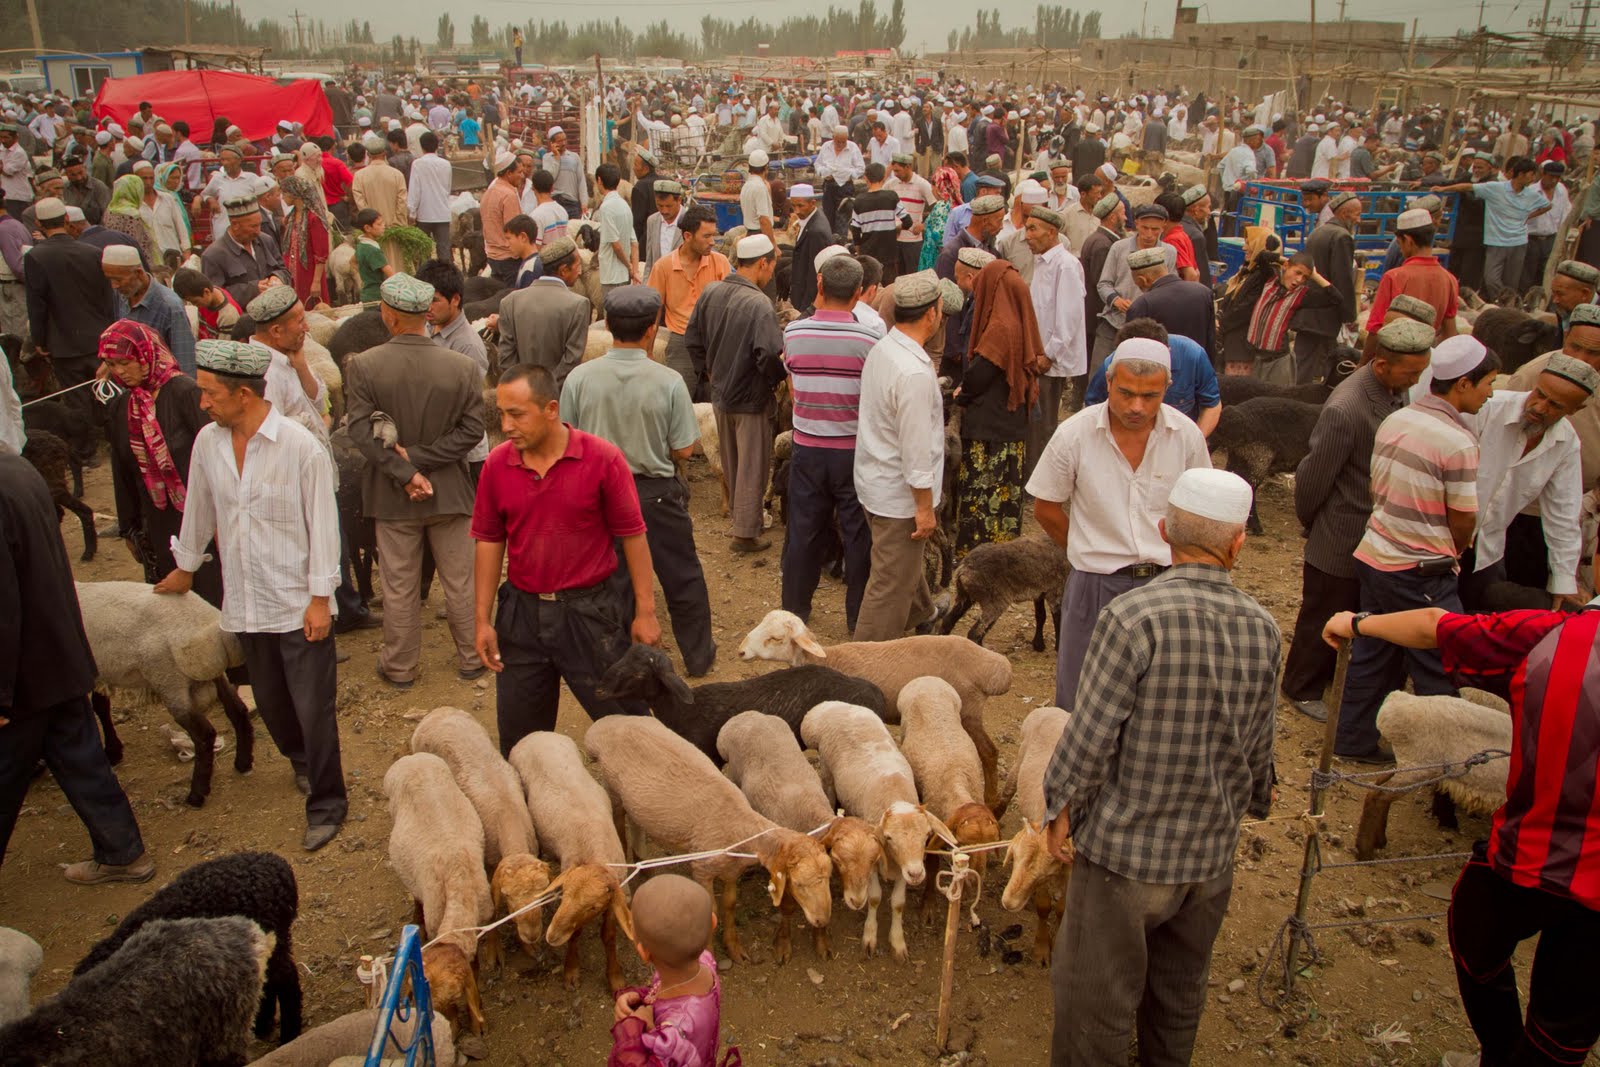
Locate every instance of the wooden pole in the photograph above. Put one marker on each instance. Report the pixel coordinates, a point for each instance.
(947, 971)
(33, 24)
(1311, 67)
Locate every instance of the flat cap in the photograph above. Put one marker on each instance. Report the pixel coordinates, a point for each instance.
(951, 298)
(905, 159)
(1340, 200)
(668, 187)
(973, 257)
(916, 290)
(1106, 205)
(753, 247)
(1151, 211)
(51, 207)
(633, 301)
(236, 359)
(271, 304)
(555, 252)
(1573, 370)
(405, 293)
(1315, 187)
(1413, 307)
(242, 205)
(1406, 337)
(989, 181)
(1141, 258)
(646, 155)
(988, 205)
(1044, 214)
(1193, 194)
(1584, 315)
(1579, 272)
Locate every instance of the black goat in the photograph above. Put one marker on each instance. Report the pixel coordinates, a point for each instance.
(1265, 436)
(52, 458)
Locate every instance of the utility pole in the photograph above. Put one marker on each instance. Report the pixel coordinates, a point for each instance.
(33, 24)
(1341, 10)
(1311, 68)
(188, 38)
(299, 35)
(1583, 29)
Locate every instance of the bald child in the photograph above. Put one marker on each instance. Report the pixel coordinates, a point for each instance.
(676, 1018)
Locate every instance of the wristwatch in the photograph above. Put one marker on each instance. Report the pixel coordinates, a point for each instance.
(1355, 622)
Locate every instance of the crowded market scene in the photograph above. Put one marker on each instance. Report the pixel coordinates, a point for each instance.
(604, 482)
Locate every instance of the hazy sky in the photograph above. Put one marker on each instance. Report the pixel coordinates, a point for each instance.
(932, 22)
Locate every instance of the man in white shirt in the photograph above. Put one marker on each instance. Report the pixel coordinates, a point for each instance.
(1058, 303)
(619, 245)
(881, 148)
(16, 172)
(276, 525)
(428, 195)
(755, 198)
(830, 114)
(770, 130)
(1528, 453)
(955, 137)
(229, 183)
(839, 165)
(1542, 229)
(899, 462)
(1325, 164)
(915, 196)
(1125, 454)
(292, 389)
(902, 127)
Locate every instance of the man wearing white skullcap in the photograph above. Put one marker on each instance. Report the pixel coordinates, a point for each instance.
(567, 167)
(1424, 514)
(500, 203)
(1112, 464)
(1183, 673)
(1419, 274)
(143, 299)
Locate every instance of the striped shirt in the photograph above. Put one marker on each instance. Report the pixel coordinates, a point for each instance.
(824, 355)
(879, 211)
(1424, 465)
(1547, 834)
(915, 196)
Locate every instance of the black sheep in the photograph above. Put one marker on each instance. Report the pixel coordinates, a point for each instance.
(82, 436)
(1265, 436)
(361, 331)
(52, 458)
(1515, 336)
(1237, 388)
(698, 714)
(257, 885)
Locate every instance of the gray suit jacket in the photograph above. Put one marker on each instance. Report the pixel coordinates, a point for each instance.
(546, 324)
(435, 397)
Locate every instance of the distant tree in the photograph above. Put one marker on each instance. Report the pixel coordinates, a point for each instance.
(366, 33)
(447, 31)
(481, 33)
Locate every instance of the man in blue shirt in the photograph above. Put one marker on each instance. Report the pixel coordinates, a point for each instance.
(1507, 207)
(1193, 388)
(143, 299)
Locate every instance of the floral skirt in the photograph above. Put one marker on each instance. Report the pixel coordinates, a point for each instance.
(988, 493)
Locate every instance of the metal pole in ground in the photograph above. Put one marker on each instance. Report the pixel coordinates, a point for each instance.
(1308, 866)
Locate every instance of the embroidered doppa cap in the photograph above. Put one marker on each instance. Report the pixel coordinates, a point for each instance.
(242, 205)
(120, 256)
(988, 205)
(1340, 200)
(1221, 496)
(1414, 219)
(668, 187)
(1581, 273)
(1584, 315)
(556, 252)
(916, 290)
(1573, 370)
(1044, 214)
(951, 298)
(1429, 203)
(1455, 356)
(1106, 205)
(1144, 348)
(646, 155)
(271, 304)
(236, 359)
(1413, 307)
(905, 159)
(1193, 194)
(974, 257)
(1140, 258)
(753, 247)
(1406, 337)
(405, 293)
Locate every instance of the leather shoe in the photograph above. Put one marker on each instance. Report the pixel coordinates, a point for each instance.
(317, 836)
(471, 674)
(365, 621)
(392, 683)
(90, 872)
(1378, 757)
(750, 545)
(1315, 710)
(302, 783)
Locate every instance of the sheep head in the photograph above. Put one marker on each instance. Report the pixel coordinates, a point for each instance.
(799, 865)
(587, 890)
(855, 850)
(518, 881)
(974, 824)
(643, 672)
(904, 829)
(1031, 863)
(781, 636)
(454, 987)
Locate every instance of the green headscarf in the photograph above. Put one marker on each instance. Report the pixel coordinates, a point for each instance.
(127, 195)
(164, 172)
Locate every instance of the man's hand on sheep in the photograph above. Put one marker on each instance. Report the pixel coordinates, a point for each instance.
(318, 619)
(1058, 838)
(177, 583)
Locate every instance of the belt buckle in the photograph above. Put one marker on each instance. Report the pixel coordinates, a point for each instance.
(546, 596)
(1145, 570)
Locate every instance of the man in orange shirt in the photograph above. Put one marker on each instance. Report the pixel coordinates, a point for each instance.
(501, 202)
(680, 276)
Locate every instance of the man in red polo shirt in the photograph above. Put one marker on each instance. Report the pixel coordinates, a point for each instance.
(560, 498)
(1420, 274)
(1539, 871)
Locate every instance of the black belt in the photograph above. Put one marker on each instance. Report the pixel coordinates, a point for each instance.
(567, 594)
(1140, 570)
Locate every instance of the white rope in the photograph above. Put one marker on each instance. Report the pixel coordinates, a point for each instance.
(95, 383)
(969, 849)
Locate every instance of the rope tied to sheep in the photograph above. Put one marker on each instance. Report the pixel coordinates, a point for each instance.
(1447, 771)
(948, 882)
(105, 391)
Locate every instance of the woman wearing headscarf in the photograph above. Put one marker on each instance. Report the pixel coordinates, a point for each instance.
(946, 195)
(1005, 358)
(306, 238)
(165, 214)
(219, 133)
(125, 215)
(153, 427)
(331, 177)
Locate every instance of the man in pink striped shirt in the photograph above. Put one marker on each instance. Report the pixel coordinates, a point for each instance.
(1424, 513)
(824, 355)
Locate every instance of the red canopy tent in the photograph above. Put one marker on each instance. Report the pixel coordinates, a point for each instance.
(198, 97)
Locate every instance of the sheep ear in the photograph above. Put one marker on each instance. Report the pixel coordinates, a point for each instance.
(830, 835)
(940, 828)
(778, 885)
(679, 687)
(561, 880)
(497, 888)
(621, 912)
(1011, 853)
(808, 643)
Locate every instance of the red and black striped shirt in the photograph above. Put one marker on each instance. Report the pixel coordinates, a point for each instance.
(1547, 833)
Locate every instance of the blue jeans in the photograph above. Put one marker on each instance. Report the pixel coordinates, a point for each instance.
(821, 480)
(1378, 668)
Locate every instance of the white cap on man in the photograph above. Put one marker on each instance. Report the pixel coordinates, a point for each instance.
(1221, 496)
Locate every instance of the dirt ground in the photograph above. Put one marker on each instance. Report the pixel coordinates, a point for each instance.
(1381, 994)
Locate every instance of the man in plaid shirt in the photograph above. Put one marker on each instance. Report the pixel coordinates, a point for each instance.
(1169, 747)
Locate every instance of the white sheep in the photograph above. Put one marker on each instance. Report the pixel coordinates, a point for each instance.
(175, 648)
(709, 444)
(573, 817)
(436, 847)
(20, 957)
(1427, 731)
(510, 849)
(351, 1035)
(974, 671)
(765, 761)
(873, 781)
(945, 765)
(1035, 874)
(673, 791)
(322, 364)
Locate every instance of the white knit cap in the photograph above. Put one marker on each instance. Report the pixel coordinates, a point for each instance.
(802, 191)
(1414, 219)
(1143, 348)
(119, 256)
(552, 131)
(825, 254)
(1109, 171)
(1211, 494)
(758, 159)
(1455, 356)
(753, 247)
(1031, 192)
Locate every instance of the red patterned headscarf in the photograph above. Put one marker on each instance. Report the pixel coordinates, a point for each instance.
(947, 185)
(126, 339)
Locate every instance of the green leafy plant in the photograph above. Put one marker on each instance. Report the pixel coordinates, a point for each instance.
(414, 245)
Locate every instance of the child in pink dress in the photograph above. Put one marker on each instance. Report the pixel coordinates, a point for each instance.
(676, 1020)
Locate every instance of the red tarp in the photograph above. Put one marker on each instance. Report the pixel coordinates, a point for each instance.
(199, 97)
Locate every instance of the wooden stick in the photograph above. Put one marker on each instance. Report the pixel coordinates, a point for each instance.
(947, 972)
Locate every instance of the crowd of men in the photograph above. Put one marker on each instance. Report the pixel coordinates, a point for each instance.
(974, 234)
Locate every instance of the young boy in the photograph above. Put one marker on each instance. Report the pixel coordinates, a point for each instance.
(218, 309)
(371, 261)
(522, 236)
(677, 1019)
(470, 130)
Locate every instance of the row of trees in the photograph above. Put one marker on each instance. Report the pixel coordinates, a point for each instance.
(1053, 26)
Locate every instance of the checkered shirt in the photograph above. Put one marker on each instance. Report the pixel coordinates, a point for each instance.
(1171, 740)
